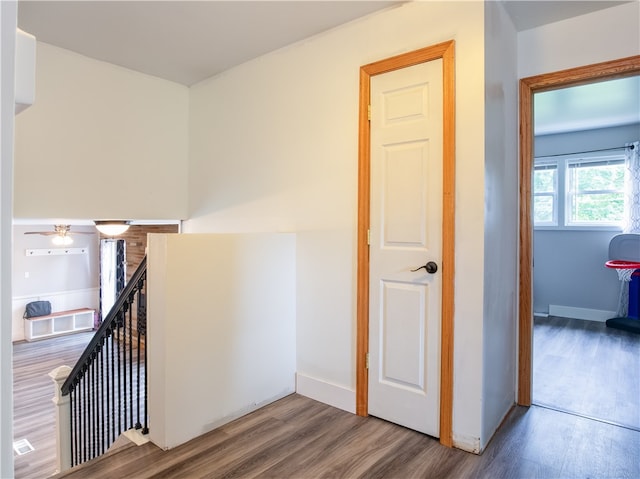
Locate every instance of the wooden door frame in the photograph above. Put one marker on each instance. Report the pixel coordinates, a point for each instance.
(444, 51)
(528, 86)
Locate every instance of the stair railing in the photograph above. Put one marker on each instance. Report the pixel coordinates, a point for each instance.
(107, 388)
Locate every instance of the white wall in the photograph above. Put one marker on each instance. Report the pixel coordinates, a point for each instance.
(222, 339)
(273, 147)
(592, 38)
(100, 131)
(8, 19)
(500, 221)
(25, 70)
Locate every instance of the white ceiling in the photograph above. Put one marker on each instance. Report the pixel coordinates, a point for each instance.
(183, 41)
(596, 105)
(188, 41)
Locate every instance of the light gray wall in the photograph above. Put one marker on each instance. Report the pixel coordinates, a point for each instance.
(501, 219)
(54, 274)
(569, 265)
(568, 270)
(586, 140)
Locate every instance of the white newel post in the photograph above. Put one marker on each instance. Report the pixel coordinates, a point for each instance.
(63, 418)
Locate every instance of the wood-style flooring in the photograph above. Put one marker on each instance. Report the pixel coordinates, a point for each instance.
(297, 437)
(33, 410)
(586, 368)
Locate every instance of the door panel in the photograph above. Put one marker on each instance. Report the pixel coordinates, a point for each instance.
(402, 329)
(404, 215)
(406, 232)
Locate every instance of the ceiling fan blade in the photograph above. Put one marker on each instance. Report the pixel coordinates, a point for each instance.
(43, 233)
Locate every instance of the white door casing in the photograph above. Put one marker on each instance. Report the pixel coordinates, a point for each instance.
(406, 233)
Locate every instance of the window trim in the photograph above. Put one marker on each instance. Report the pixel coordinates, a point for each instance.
(548, 165)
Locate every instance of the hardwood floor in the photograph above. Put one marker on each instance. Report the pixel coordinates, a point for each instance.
(33, 411)
(297, 437)
(586, 368)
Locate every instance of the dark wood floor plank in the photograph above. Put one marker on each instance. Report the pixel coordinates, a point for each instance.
(534, 442)
(586, 368)
(297, 437)
(303, 460)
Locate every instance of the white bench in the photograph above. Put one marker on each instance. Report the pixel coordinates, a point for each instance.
(61, 322)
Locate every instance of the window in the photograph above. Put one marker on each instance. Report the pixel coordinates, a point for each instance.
(595, 192)
(578, 192)
(545, 196)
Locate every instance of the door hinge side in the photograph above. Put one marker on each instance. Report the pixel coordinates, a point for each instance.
(366, 361)
(369, 237)
(369, 112)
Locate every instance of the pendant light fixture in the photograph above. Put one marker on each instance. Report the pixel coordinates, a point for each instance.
(112, 227)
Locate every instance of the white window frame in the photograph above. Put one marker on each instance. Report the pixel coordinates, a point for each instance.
(564, 196)
(549, 165)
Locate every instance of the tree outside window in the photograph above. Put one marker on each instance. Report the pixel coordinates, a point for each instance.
(578, 192)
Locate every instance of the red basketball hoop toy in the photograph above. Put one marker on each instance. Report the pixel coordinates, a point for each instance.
(624, 269)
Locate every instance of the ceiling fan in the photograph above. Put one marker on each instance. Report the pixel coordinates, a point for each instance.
(61, 234)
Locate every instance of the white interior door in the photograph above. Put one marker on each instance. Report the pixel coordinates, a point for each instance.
(406, 233)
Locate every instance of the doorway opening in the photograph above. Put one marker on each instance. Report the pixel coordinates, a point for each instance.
(581, 366)
(528, 86)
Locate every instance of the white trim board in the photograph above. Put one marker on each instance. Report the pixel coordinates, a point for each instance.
(331, 394)
(580, 313)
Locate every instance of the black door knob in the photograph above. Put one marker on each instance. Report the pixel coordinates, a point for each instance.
(431, 267)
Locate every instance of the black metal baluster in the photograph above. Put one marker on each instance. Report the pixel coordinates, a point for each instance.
(100, 401)
(80, 424)
(72, 424)
(119, 390)
(85, 413)
(142, 331)
(131, 423)
(113, 386)
(89, 412)
(107, 389)
(138, 425)
(92, 406)
(92, 415)
(95, 401)
(124, 367)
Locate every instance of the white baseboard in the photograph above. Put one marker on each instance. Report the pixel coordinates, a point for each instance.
(466, 443)
(580, 313)
(331, 394)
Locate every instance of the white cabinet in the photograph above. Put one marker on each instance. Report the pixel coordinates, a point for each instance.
(62, 322)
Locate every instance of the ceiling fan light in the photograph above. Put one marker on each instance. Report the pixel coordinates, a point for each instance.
(112, 227)
(62, 240)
